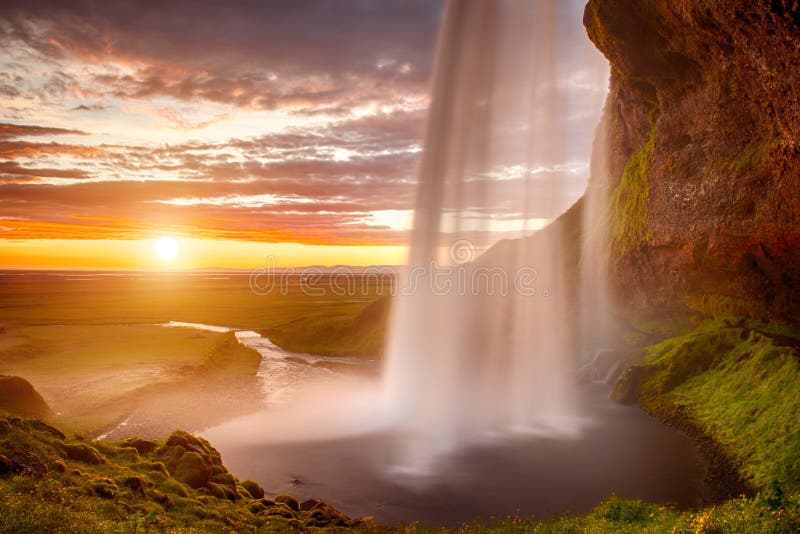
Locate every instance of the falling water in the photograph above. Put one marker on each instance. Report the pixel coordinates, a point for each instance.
(481, 345)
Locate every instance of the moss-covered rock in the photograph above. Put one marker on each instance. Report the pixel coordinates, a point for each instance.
(49, 483)
(253, 488)
(289, 501)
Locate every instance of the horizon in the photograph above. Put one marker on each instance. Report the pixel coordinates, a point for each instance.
(284, 130)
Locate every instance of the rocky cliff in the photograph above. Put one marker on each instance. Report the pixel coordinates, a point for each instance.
(702, 125)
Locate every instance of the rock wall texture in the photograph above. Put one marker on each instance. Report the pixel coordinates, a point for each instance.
(703, 126)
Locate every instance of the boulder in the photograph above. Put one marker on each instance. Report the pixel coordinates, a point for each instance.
(191, 469)
(253, 488)
(289, 501)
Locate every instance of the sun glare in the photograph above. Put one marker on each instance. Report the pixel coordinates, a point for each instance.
(167, 248)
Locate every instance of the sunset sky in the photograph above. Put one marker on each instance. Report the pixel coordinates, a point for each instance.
(242, 129)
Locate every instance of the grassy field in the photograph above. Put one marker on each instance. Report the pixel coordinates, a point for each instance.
(89, 342)
(146, 298)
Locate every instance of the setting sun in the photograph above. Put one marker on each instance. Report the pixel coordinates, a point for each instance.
(167, 248)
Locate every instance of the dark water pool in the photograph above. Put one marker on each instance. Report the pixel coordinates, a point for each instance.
(623, 452)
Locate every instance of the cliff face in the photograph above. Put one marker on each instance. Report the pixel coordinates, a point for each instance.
(703, 128)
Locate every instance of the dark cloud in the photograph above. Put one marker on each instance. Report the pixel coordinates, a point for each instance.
(90, 107)
(10, 131)
(312, 55)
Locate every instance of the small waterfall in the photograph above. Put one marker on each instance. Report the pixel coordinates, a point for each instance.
(484, 337)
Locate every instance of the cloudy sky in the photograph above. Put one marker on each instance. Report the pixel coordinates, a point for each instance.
(242, 129)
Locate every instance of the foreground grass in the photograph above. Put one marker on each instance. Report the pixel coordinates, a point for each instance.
(51, 483)
(737, 380)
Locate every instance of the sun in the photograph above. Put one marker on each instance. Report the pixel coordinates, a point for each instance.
(167, 248)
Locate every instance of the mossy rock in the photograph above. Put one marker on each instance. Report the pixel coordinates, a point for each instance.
(81, 452)
(289, 501)
(191, 469)
(280, 510)
(188, 442)
(222, 491)
(253, 488)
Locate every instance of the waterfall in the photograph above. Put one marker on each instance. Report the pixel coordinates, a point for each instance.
(483, 339)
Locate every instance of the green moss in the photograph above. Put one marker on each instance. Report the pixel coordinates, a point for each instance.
(629, 203)
(739, 381)
(750, 157)
(124, 494)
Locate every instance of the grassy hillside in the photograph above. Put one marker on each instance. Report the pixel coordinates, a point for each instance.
(346, 334)
(738, 381)
(52, 483)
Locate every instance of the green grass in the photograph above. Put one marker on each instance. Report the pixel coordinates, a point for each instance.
(40, 299)
(176, 485)
(758, 515)
(629, 202)
(362, 335)
(739, 381)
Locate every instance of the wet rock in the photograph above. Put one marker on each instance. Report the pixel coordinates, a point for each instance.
(82, 452)
(628, 388)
